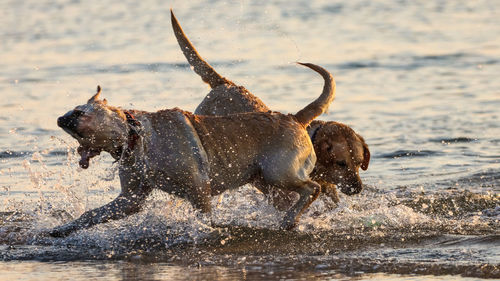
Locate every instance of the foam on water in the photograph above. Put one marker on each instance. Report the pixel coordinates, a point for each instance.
(366, 230)
(167, 221)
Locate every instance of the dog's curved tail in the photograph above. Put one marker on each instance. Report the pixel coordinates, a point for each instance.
(320, 105)
(200, 66)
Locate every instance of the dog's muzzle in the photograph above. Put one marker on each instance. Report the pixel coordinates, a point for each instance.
(69, 122)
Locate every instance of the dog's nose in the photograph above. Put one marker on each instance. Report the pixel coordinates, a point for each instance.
(69, 120)
(61, 121)
(66, 123)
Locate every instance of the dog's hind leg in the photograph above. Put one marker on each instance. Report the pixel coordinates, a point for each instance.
(308, 193)
(290, 173)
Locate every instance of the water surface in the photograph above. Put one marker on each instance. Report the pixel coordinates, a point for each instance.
(418, 80)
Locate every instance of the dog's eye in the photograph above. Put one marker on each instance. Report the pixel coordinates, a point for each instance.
(341, 163)
(77, 113)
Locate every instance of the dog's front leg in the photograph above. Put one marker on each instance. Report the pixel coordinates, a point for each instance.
(134, 191)
(122, 206)
(329, 189)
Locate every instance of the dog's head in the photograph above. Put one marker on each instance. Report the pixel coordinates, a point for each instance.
(340, 153)
(97, 127)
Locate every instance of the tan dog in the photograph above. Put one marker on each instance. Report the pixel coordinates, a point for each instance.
(340, 151)
(195, 156)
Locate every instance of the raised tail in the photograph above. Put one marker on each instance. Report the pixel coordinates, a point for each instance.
(201, 67)
(320, 105)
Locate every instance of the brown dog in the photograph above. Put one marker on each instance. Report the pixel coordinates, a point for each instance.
(340, 151)
(195, 156)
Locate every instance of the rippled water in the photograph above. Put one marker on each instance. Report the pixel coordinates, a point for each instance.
(418, 79)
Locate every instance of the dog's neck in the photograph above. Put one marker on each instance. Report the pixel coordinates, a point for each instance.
(134, 129)
(313, 129)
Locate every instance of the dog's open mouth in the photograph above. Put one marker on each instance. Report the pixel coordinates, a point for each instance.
(69, 123)
(86, 154)
(73, 133)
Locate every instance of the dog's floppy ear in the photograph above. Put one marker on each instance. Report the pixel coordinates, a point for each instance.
(366, 157)
(366, 154)
(95, 97)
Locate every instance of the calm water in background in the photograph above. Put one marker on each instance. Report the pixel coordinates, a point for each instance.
(418, 79)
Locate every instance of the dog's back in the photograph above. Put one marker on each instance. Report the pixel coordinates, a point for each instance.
(227, 99)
